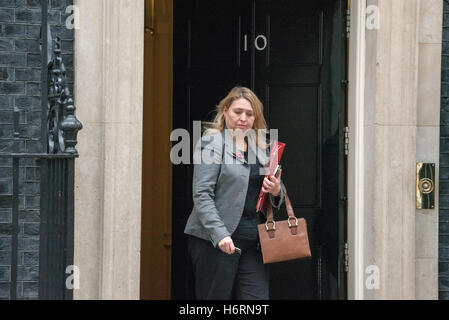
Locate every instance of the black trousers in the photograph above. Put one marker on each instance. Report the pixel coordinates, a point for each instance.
(219, 276)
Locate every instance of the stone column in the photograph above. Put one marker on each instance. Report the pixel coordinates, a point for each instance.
(390, 148)
(109, 97)
(89, 168)
(428, 143)
(123, 103)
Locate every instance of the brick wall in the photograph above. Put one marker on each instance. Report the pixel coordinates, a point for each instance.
(20, 73)
(443, 252)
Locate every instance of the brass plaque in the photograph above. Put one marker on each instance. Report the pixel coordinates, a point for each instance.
(425, 185)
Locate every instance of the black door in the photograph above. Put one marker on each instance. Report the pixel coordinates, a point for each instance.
(292, 54)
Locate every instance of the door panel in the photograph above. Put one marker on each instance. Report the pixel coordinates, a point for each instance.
(206, 37)
(291, 53)
(209, 59)
(294, 112)
(294, 35)
(298, 78)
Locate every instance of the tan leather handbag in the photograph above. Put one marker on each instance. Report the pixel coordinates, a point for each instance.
(283, 240)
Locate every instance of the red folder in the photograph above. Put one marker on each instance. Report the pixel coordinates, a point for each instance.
(275, 158)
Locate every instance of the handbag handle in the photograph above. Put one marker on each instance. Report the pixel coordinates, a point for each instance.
(290, 212)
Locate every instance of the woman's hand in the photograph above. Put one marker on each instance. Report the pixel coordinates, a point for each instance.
(227, 245)
(272, 184)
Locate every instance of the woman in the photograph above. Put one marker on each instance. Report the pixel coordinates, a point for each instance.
(226, 182)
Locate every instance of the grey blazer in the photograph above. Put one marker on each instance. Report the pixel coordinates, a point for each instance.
(220, 183)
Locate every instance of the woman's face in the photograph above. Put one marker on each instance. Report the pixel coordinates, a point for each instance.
(239, 115)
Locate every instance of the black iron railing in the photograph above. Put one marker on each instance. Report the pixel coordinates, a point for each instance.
(56, 163)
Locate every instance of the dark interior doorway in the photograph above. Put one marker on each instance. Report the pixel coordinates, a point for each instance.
(292, 54)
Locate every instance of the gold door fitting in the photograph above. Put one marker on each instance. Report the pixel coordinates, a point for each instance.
(425, 185)
(149, 17)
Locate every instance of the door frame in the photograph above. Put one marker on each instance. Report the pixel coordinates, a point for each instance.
(355, 173)
(355, 178)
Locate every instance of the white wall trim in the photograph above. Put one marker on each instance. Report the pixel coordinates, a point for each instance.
(356, 76)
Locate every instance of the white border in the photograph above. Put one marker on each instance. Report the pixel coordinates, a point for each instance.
(356, 96)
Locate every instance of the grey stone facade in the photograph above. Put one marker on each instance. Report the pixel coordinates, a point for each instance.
(20, 74)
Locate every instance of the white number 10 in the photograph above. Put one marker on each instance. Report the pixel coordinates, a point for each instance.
(256, 43)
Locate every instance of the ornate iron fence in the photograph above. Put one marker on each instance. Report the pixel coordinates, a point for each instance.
(56, 163)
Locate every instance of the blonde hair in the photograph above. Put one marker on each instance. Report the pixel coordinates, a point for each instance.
(259, 126)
